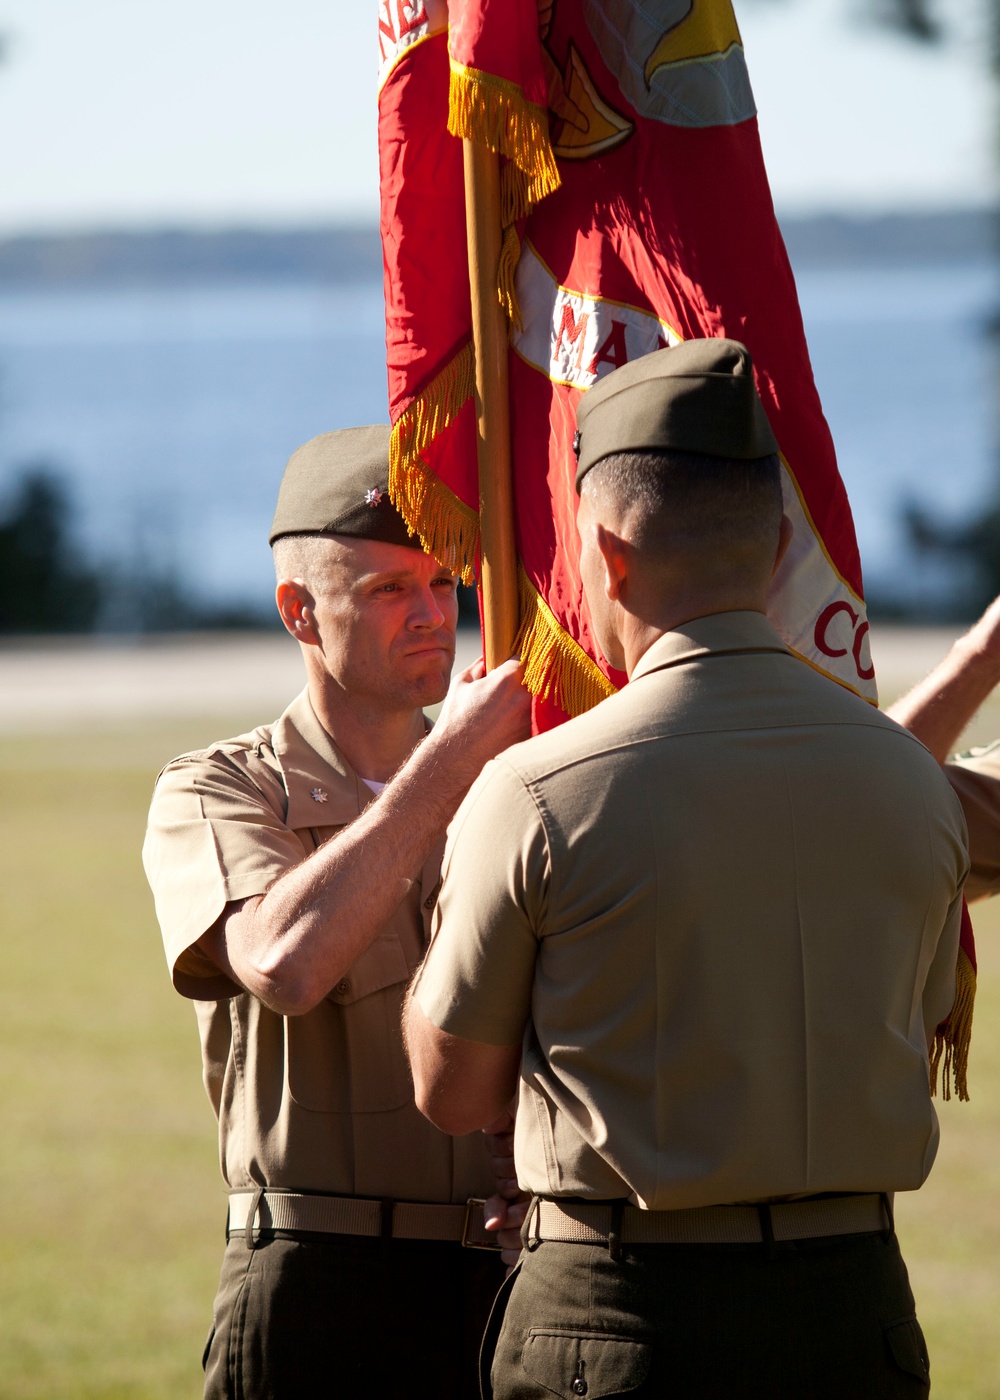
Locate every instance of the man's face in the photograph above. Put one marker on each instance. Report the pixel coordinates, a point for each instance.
(386, 618)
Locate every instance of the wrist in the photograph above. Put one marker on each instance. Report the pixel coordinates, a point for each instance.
(978, 654)
(442, 769)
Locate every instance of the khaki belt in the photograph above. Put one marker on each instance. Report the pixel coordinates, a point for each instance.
(583, 1222)
(354, 1215)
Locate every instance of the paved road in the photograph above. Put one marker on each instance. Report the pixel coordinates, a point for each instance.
(60, 684)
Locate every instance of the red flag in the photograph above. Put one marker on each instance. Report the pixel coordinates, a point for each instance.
(427, 302)
(637, 213)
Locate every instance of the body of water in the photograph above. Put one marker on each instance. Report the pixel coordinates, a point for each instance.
(171, 412)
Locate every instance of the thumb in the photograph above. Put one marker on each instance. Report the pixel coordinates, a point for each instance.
(495, 1213)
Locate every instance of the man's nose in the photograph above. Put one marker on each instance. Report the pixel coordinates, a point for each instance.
(427, 613)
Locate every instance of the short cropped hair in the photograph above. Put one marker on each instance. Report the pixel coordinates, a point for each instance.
(304, 557)
(687, 501)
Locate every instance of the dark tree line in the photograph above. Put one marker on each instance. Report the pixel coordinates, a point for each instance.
(44, 585)
(48, 586)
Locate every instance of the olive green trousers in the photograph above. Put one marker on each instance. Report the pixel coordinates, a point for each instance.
(342, 1318)
(828, 1319)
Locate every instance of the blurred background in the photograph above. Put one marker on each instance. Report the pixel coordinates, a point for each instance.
(190, 286)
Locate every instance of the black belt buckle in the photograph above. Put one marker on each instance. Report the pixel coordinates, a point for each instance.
(467, 1223)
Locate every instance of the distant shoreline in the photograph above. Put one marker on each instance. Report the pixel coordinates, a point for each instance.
(117, 258)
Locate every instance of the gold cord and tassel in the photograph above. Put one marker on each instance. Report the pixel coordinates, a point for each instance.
(510, 256)
(953, 1038)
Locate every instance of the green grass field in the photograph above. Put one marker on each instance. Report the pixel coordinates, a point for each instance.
(111, 1224)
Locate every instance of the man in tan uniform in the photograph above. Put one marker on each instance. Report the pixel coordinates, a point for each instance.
(708, 929)
(937, 711)
(295, 905)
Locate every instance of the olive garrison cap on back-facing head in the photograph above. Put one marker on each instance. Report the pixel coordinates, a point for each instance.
(338, 484)
(698, 396)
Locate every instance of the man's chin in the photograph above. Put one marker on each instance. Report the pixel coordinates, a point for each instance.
(429, 686)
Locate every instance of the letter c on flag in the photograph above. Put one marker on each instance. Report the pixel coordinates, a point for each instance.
(822, 627)
(859, 635)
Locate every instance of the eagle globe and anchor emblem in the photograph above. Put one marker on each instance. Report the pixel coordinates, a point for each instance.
(679, 62)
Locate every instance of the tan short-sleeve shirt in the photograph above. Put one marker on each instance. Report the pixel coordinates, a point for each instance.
(722, 910)
(975, 778)
(324, 1101)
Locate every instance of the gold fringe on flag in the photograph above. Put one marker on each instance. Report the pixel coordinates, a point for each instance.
(555, 666)
(447, 527)
(496, 113)
(954, 1037)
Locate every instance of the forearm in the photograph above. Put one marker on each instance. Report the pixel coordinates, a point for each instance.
(291, 945)
(312, 925)
(460, 1085)
(939, 708)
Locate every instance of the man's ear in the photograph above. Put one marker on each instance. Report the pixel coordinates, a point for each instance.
(296, 607)
(613, 551)
(784, 540)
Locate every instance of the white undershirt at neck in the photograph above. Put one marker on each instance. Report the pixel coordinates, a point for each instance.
(375, 786)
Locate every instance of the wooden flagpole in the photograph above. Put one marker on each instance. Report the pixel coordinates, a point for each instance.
(489, 341)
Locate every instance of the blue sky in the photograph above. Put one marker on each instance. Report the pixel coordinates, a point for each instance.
(263, 111)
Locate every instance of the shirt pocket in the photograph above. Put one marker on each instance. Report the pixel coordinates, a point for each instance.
(571, 1363)
(346, 1055)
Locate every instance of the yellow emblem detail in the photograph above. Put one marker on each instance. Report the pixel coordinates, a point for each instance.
(708, 28)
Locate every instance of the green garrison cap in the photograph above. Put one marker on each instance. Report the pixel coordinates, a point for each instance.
(698, 396)
(338, 484)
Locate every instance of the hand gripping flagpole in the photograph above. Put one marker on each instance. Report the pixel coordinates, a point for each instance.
(498, 566)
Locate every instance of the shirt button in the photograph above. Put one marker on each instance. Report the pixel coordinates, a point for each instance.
(579, 1386)
(343, 987)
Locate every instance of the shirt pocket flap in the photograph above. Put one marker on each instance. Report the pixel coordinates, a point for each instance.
(382, 964)
(574, 1363)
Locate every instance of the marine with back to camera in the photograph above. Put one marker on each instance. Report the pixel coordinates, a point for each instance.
(711, 930)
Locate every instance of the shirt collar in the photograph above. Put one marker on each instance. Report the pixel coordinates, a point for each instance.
(716, 635)
(323, 789)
